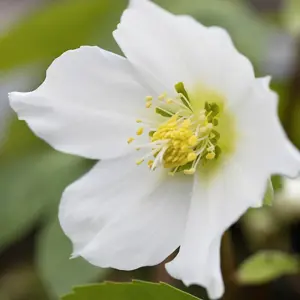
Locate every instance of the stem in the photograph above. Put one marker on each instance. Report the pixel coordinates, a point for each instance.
(292, 98)
(228, 266)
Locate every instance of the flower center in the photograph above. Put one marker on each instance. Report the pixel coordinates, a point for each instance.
(188, 135)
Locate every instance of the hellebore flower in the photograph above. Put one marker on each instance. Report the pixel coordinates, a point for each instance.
(186, 135)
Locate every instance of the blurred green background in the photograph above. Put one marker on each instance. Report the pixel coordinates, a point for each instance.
(34, 253)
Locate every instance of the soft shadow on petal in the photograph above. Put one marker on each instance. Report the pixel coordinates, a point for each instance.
(215, 206)
(124, 216)
(87, 104)
(183, 51)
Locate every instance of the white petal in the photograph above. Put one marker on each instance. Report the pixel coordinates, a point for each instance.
(264, 143)
(177, 48)
(262, 150)
(215, 206)
(124, 216)
(87, 105)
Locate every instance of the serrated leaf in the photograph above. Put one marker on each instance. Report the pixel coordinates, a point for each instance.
(58, 272)
(128, 291)
(269, 194)
(31, 187)
(60, 26)
(266, 266)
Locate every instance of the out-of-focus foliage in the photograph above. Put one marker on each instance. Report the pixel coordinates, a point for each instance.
(60, 26)
(269, 195)
(33, 176)
(265, 266)
(33, 184)
(291, 16)
(129, 291)
(57, 270)
(69, 24)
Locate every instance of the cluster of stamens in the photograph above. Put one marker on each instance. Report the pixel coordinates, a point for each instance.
(186, 138)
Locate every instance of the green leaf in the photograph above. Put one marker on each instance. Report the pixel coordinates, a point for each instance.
(31, 188)
(20, 141)
(291, 16)
(60, 26)
(266, 266)
(58, 272)
(128, 291)
(269, 194)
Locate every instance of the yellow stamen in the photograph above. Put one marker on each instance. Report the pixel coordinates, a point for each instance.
(162, 96)
(193, 140)
(130, 140)
(210, 155)
(139, 162)
(186, 137)
(150, 163)
(140, 131)
(149, 98)
(190, 171)
(192, 156)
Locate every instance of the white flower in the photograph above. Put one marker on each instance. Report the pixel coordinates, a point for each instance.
(206, 128)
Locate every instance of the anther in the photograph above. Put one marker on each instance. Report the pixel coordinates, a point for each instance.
(210, 155)
(138, 120)
(192, 156)
(150, 163)
(184, 148)
(148, 104)
(130, 140)
(140, 131)
(149, 98)
(193, 140)
(162, 96)
(186, 123)
(139, 162)
(190, 171)
(169, 101)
